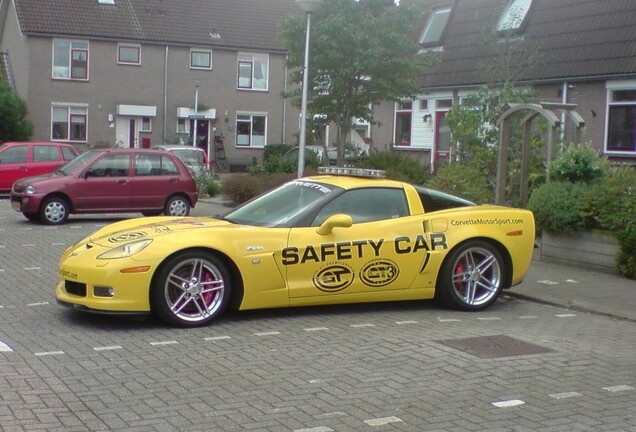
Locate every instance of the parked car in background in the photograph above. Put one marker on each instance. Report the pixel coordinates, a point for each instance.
(25, 159)
(350, 157)
(108, 181)
(194, 157)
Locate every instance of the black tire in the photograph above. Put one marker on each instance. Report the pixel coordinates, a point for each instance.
(472, 277)
(191, 289)
(177, 205)
(33, 217)
(54, 211)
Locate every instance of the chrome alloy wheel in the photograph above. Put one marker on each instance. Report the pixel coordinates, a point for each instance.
(177, 207)
(477, 276)
(194, 290)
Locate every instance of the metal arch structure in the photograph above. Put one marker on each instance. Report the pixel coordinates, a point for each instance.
(545, 110)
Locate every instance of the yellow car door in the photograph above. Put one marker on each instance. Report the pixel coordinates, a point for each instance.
(362, 245)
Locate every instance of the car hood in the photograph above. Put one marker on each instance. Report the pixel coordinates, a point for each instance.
(21, 184)
(152, 227)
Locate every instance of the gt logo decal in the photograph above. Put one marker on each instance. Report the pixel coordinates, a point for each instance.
(333, 278)
(379, 273)
(127, 237)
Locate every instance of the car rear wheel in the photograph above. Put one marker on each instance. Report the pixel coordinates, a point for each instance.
(177, 206)
(471, 277)
(191, 289)
(54, 211)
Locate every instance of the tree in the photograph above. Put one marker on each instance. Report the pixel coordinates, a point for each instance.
(362, 52)
(13, 110)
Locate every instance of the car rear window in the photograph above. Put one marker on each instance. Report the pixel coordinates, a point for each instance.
(68, 153)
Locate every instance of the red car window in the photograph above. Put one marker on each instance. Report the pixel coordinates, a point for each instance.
(68, 153)
(45, 153)
(17, 154)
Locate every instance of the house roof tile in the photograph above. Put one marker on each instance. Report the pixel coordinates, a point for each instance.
(241, 24)
(574, 39)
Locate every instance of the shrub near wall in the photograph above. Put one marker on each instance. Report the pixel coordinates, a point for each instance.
(587, 194)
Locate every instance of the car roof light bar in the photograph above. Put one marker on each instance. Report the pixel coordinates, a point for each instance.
(356, 172)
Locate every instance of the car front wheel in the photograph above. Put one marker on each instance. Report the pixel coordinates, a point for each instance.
(191, 289)
(54, 211)
(177, 206)
(471, 277)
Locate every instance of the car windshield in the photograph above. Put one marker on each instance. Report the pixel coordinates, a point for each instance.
(280, 205)
(190, 157)
(77, 164)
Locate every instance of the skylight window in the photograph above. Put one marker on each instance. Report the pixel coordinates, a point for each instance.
(513, 15)
(435, 26)
(106, 2)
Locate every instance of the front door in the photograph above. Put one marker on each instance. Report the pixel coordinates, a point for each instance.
(203, 130)
(106, 185)
(442, 138)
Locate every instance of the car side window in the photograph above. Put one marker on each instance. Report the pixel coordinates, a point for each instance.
(17, 154)
(45, 153)
(146, 165)
(168, 167)
(111, 166)
(67, 153)
(366, 205)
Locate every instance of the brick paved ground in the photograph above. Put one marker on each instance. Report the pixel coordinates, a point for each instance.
(373, 368)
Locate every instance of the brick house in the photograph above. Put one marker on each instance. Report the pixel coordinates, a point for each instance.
(129, 72)
(584, 54)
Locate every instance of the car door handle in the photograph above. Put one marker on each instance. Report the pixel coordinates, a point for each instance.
(122, 181)
(173, 180)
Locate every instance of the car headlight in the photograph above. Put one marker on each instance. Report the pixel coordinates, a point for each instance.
(125, 250)
(30, 190)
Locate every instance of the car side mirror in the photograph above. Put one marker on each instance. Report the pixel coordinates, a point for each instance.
(337, 220)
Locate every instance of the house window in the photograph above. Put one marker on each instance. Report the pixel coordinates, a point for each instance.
(621, 127)
(444, 103)
(514, 15)
(403, 115)
(146, 124)
(253, 71)
(68, 123)
(251, 130)
(435, 26)
(183, 126)
(70, 60)
(200, 59)
(129, 54)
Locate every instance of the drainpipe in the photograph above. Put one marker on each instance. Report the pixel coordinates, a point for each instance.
(165, 95)
(284, 125)
(564, 100)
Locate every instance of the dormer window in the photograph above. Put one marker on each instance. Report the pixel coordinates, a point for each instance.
(514, 15)
(435, 26)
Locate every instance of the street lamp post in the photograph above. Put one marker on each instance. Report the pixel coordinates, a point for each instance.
(309, 6)
(196, 113)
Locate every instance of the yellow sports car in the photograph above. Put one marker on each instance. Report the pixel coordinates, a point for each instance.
(343, 236)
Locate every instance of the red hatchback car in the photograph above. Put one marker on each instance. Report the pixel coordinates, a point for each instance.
(25, 159)
(108, 181)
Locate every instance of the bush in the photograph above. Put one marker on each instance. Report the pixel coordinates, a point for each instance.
(578, 162)
(397, 166)
(275, 150)
(241, 187)
(465, 181)
(557, 207)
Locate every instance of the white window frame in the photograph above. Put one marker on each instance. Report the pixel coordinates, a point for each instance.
(200, 51)
(145, 125)
(432, 34)
(612, 87)
(74, 47)
(243, 118)
(514, 15)
(72, 110)
(186, 126)
(252, 60)
(136, 47)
